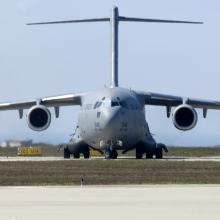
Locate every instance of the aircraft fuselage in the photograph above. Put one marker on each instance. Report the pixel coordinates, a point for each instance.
(113, 118)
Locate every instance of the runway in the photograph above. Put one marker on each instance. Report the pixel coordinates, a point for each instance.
(121, 202)
(8, 159)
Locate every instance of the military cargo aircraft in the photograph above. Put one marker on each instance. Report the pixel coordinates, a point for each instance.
(113, 118)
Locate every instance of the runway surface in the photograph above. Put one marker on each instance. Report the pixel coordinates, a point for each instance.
(213, 159)
(118, 203)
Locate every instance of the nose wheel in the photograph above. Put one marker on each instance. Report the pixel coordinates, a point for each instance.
(111, 154)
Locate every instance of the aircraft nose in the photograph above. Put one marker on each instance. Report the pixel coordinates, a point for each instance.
(115, 124)
(113, 117)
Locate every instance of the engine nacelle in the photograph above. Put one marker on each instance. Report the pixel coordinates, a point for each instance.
(185, 117)
(38, 118)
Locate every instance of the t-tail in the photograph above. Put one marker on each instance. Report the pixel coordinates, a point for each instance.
(114, 20)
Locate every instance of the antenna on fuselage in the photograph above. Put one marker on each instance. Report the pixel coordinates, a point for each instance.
(114, 20)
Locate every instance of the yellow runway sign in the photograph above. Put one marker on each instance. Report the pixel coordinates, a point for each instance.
(30, 151)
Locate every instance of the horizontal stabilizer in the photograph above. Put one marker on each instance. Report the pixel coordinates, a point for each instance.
(157, 20)
(72, 21)
(114, 20)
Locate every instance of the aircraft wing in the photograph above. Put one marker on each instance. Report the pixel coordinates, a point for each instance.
(53, 101)
(172, 101)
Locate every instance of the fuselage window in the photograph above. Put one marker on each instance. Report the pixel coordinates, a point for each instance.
(97, 105)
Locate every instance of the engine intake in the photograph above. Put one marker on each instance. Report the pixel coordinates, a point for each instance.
(185, 117)
(38, 118)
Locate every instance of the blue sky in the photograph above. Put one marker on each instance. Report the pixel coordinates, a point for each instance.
(166, 58)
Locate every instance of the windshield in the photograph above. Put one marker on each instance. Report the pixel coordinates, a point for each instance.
(107, 103)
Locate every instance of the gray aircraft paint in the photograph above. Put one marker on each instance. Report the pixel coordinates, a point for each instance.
(125, 123)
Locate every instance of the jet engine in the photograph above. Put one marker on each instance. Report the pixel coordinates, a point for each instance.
(38, 118)
(185, 117)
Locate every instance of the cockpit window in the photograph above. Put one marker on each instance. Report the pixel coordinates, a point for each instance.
(108, 103)
(113, 104)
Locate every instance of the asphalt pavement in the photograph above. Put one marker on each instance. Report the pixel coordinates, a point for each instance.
(171, 202)
(214, 159)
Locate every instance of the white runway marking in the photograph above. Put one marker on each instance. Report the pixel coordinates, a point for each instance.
(5, 159)
(108, 203)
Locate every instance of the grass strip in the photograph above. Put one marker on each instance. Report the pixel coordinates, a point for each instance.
(114, 172)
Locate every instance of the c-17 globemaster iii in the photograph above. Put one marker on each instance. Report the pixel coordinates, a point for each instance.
(113, 118)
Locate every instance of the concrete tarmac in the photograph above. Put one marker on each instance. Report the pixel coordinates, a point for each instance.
(171, 202)
(6, 159)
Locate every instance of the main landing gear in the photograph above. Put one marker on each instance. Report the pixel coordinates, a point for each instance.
(67, 154)
(158, 152)
(86, 155)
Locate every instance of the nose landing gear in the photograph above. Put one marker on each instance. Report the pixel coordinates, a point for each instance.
(111, 154)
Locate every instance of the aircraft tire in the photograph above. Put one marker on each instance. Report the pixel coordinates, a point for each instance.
(139, 153)
(76, 155)
(66, 153)
(114, 154)
(86, 154)
(149, 155)
(159, 153)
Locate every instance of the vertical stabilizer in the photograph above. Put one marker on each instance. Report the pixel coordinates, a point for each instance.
(114, 27)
